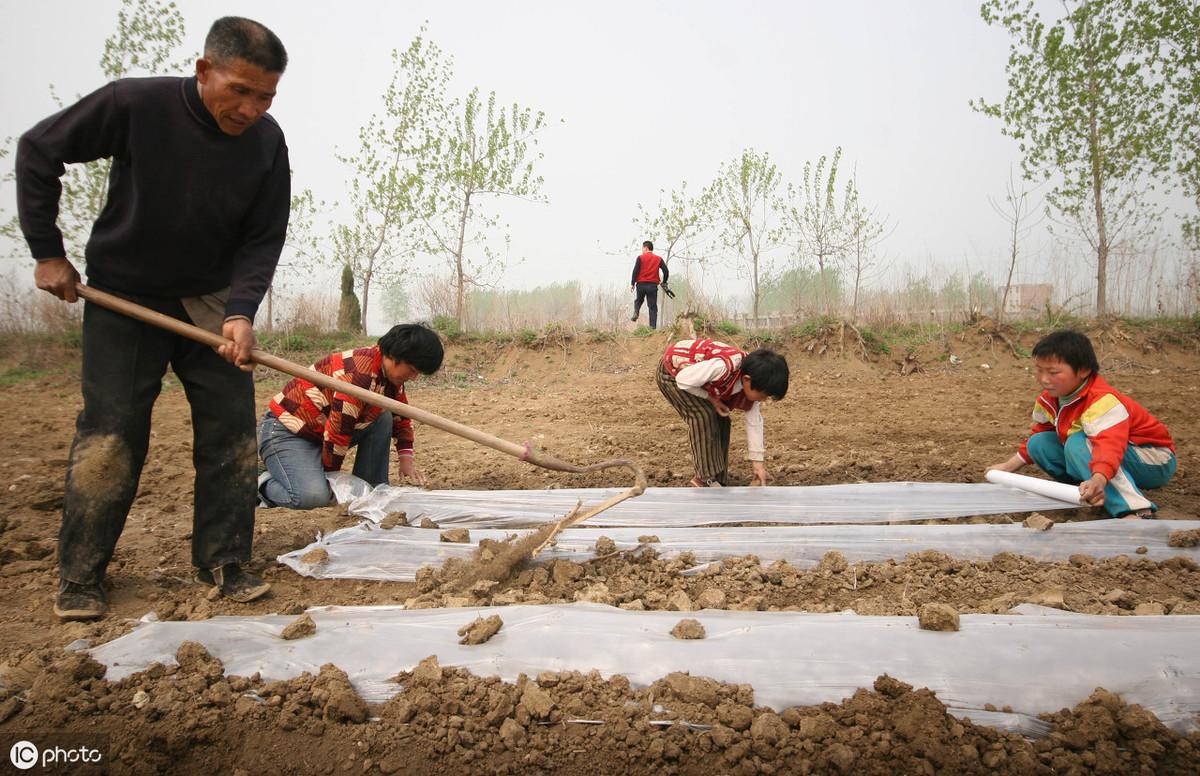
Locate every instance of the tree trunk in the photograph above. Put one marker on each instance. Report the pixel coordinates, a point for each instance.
(754, 285)
(366, 286)
(1098, 201)
(857, 283)
(1012, 264)
(459, 295)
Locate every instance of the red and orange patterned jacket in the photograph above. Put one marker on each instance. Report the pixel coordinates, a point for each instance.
(330, 418)
(686, 353)
(1111, 420)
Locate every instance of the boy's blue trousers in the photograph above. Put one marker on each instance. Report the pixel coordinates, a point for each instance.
(1142, 467)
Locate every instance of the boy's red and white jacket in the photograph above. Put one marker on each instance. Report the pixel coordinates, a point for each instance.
(1111, 420)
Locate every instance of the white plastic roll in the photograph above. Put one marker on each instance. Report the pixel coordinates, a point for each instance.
(1059, 490)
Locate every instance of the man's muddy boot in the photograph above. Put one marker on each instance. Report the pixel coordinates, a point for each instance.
(234, 583)
(79, 602)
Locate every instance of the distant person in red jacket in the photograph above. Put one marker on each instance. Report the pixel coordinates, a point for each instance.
(1086, 433)
(645, 281)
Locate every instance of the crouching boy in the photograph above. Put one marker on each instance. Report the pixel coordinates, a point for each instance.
(705, 379)
(307, 430)
(1087, 433)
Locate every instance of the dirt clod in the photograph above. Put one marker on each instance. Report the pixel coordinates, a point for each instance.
(480, 629)
(938, 617)
(456, 536)
(688, 628)
(1184, 538)
(301, 628)
(315, 557)
(394, 519)
(427, 523)
(1038, 522)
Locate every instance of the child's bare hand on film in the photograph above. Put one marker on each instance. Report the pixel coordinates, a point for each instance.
(1092, 490)
(761, 475)
(410, 472)
(1011, 465)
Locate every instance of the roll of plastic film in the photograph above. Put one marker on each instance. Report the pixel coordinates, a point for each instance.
(1047, 488)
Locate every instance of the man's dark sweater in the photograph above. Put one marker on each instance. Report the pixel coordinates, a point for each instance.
(190, 209)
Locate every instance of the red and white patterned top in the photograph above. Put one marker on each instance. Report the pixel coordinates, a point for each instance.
(330, 418)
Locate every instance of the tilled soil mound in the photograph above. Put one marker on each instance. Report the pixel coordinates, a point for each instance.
(193, 719)
(844, 420)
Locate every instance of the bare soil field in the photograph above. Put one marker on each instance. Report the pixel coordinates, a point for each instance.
(919, 415)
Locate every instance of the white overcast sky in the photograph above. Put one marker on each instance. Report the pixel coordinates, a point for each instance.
(650, 94)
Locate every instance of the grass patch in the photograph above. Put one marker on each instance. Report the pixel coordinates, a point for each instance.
(15, 375)
(728, 328)
(308, 345)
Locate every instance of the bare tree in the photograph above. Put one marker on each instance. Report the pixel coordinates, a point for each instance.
(864, 230)
(1016, 213)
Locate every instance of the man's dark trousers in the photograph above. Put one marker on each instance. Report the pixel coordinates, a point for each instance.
(124, 361)
(649, 292)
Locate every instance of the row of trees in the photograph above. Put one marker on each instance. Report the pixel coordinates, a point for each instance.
(145, 42)
(418, 182)
(1103, 103)
(752, 214)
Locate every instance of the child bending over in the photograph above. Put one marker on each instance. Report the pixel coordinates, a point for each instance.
(705, 379)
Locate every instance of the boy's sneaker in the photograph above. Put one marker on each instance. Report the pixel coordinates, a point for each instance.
(634, 319)
(235, 584)
(79, 602)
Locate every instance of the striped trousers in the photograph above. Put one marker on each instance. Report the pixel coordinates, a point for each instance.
(708, 432)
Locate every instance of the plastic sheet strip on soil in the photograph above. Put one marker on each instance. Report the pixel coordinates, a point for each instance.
(1033, 664)
(369, 552)
(875, 502)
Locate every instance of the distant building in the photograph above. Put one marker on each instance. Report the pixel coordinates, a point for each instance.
(1026, 298)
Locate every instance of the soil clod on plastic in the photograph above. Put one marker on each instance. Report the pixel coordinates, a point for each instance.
(394, 519)
(302, 628)
(315, 557)
(938, 617)
(456, 536)
(688, 628)
(480, 630)
(1038, 522)
(1184, 538)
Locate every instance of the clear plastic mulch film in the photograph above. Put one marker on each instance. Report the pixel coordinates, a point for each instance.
(369, 552)
(673, 516)
(874, 502)
(1041, 661)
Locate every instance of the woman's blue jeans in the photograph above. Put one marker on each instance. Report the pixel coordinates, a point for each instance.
(297, 476)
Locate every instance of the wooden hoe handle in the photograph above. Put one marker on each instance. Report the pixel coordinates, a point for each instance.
(524, 452)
